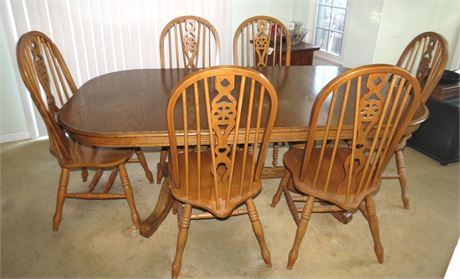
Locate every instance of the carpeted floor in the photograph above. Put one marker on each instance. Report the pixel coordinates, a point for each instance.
(96, 240)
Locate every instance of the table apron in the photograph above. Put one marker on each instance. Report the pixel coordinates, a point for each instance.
(158, 140)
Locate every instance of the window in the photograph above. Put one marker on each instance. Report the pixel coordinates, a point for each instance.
(330, 23)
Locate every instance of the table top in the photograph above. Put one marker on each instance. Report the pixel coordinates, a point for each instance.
(128, 108)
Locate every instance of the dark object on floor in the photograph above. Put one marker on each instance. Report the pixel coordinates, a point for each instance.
(449, 77)
(438, 136)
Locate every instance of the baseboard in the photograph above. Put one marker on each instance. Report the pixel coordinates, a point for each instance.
(14, 137)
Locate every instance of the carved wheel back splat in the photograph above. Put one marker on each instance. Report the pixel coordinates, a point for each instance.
(223, 113)
(42, 74)
(189, 43)
(426, 60)
(262, 42)
(370, 109)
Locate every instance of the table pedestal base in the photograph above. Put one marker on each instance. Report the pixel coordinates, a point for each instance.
(162, 209)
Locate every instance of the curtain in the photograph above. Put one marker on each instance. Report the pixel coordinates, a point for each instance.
(102, 36)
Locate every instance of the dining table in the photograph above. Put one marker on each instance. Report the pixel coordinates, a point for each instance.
(128, 109)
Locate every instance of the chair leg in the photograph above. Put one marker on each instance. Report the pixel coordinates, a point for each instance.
(279, 192)
(179, 211)
(400, 164)
(97, 176)
(301, 229)
(129, 195)
(63, 182)
(174, 208)
(276, 148)
(291, 205)
(257, 228)
(162, 164)
(362, 208)
(181, 240)
(108, 185)
(145, 166)
(374, 226)
(84, 174)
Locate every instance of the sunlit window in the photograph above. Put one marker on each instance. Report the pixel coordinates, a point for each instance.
(330, 23)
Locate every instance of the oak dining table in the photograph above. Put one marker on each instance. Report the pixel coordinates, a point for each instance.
(128, 109)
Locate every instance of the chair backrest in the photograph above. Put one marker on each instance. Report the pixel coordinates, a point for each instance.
(357, 120)
(191, 42)
(49, 83)
(261, 41)
(222, 107)
(426, 58)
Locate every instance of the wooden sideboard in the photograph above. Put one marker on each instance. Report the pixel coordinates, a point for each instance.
(301, 54)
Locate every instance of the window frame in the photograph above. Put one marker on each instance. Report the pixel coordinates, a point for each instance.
(330, 55)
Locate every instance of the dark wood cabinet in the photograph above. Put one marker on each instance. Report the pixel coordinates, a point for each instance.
(438, 137)
(301, 54)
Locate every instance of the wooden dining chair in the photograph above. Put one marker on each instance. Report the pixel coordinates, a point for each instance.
(355, 125)
(50, 85)
(64, 93)
(219, 107)
(187, 42)
(426, 58)
(262, 41)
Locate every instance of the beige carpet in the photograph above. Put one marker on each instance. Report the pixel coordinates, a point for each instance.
(95, 239)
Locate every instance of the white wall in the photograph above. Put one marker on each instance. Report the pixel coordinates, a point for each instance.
(305, 12)
(376, 31)
(361, 29)
(12, 118)
(362, 25)
(402, 20)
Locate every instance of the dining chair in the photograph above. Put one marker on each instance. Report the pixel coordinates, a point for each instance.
(426, 58)
(48, 80)
(187, 42)
(262, 41)
(219, 107)
(356, 122)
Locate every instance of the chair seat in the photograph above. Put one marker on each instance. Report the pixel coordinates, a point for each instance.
(336, 191)
(207, 198)
(86, 156)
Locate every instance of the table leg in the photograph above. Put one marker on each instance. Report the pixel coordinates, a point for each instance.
(162, 208)
(343, 217)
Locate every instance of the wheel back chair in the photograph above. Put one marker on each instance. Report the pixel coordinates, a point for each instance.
(355, 125)
(218, 108)
(426, 58)
(50, 84)
(262, 41)
(187, 42)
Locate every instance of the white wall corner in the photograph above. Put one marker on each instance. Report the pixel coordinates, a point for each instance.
(362, 26)
(455, 63)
